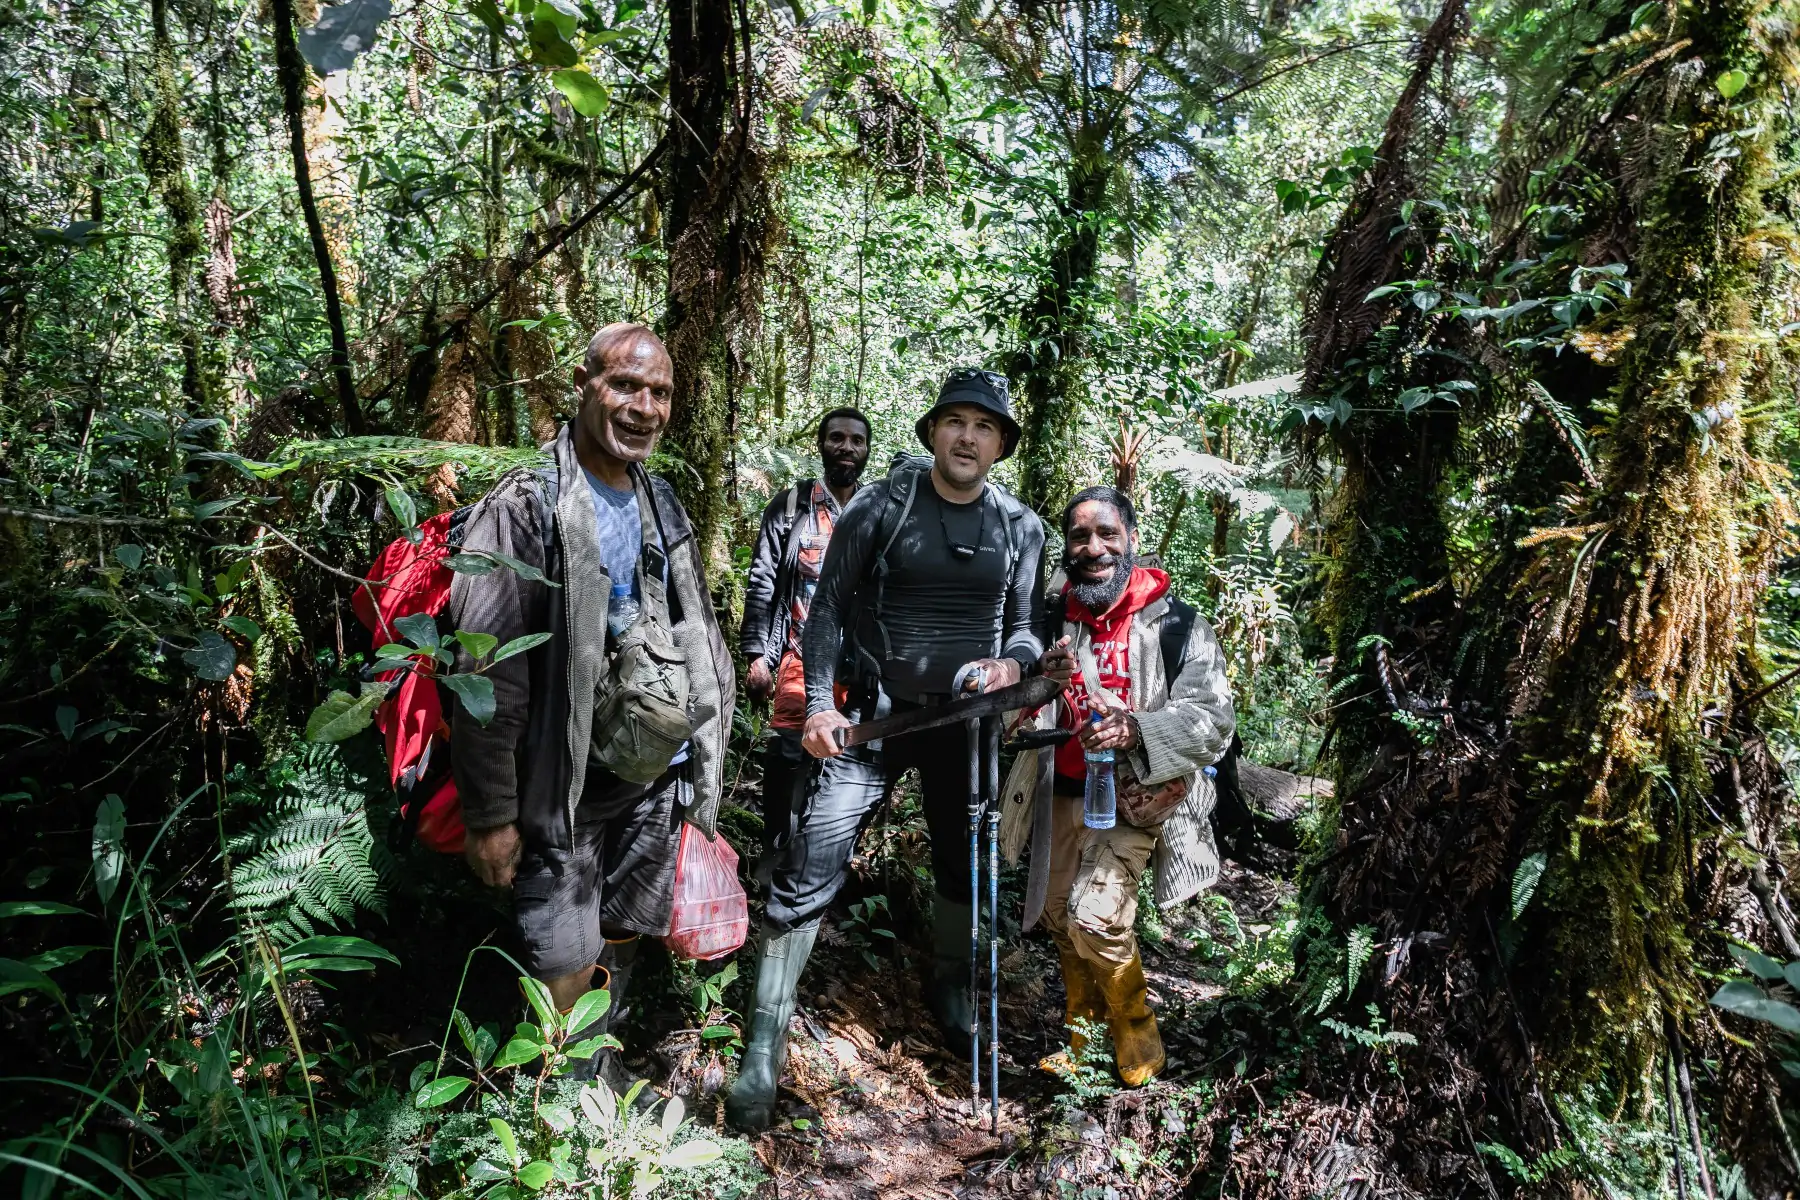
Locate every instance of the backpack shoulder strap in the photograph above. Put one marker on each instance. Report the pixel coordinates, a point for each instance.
(1172, 639)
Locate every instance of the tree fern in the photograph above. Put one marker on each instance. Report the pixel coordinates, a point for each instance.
(310, 858)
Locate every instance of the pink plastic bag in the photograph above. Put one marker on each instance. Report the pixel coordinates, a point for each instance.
(711, 917)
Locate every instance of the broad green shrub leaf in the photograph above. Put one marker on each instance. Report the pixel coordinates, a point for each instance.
(508, 1142)
(343, 715)
(400, 503)
(585, 94)
(66, 719)
(471, 564)
(1791, 973)
(1525, 881)
(538, 996)
(1756, 962)
(214, 658)
(590, 1007)
(530, 641)
(536, 1174)
(479, 645)
(130, 557)
(442, 1091)
(477, 1039)
(489, 14)
(1747, 1000)
(109, 847)
(517, 1051)
(244, 627)
(341, 33)
(483, 1171)
(690, 1155)
(476, 693)
(420, 629)
(549, 45)
(1731, 82)
(672, 1115)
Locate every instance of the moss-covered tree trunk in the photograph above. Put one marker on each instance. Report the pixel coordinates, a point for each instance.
(165, 164)
(1053, 358)
(694, 194)
(1543, 768)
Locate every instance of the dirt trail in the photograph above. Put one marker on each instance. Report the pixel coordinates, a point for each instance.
(874, 1104)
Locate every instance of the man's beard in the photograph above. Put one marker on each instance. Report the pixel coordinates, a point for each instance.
(840, 474)
(1102, 595)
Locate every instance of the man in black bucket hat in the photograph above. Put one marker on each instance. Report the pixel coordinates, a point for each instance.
(932, 575)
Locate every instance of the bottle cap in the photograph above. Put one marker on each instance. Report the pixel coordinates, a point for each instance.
(621, 589)
(1095, 716)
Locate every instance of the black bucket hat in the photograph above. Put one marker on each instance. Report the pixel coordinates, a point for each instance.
(983, 389)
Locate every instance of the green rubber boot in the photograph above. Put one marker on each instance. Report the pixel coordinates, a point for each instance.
(948, 994)
(750, 1105)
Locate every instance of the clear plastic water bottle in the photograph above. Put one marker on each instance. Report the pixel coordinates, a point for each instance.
(621, 611)
(1099, 801)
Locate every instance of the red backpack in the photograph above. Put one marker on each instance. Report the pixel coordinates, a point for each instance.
(409, 578)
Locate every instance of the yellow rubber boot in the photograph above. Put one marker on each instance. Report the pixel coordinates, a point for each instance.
(1137, 1046)
(1085, 1002)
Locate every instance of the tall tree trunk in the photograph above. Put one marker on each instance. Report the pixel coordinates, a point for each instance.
(290, 73)
(1532, 772)
(705, 138)
(165, 164)
(1055, 328)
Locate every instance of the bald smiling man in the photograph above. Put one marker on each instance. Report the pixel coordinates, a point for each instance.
(589, 850)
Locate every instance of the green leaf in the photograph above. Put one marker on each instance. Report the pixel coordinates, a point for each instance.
(244, 627)
(588, 1008)
(1747, 1000)
(214, 658)
(477, 1039)
(400, 503)
(62, 956)
(109, 847)
(37, 908)
(16, 976)
(1378, 293)
(536, 1174)
(471, 564)
(530, 641)
(488, 13)
(1425, 299)
(493, 558)
(549, 44)
(213, 508)
(539, 997)
(1791, 973)
(130, 557)
(420, 629)
(585, 94)
(342, 715)
(508, 1142)
(519, 1050)
(479, 645)
(476, 693)
(442, 1090)
(1756, 962)
(968, 214)
(338, 944)
(66, 719)
(483, 1171)
(1731, 82)
(691, 1155)
(1525, 881)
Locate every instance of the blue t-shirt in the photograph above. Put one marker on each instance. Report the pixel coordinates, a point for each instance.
(619, 529)
(620, 532)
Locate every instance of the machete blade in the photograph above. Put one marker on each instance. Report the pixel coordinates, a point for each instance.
(1029, 693)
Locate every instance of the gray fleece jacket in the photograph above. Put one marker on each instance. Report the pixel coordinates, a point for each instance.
(530, 762)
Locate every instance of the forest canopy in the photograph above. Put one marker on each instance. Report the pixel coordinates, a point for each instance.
(1447, 351)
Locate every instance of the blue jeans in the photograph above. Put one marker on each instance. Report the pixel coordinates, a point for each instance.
(845, 796)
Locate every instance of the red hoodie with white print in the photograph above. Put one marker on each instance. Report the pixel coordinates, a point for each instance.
(1111, 634)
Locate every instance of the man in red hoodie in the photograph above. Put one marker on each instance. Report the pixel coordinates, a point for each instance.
(1152, 669)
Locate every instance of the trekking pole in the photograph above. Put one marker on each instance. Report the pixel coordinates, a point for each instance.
(973, 730)
(990, 744)
(990, 747)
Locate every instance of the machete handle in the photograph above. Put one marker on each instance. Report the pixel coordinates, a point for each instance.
(840, 735)
(1032, 739)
